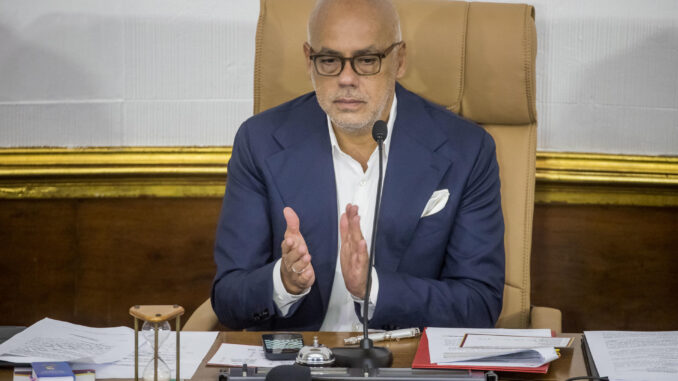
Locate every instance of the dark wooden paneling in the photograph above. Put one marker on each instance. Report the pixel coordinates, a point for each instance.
(87, 261)
(607, 267)
(38, 246)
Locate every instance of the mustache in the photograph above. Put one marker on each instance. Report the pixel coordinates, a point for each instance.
(350, 95)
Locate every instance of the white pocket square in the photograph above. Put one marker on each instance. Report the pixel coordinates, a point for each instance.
(436, 203)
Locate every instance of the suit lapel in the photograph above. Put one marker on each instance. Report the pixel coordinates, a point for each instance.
(414, 171)
(304, 174)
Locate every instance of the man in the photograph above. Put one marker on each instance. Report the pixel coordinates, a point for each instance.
(292, 242)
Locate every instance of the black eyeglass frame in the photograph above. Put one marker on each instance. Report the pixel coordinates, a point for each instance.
(352, 59)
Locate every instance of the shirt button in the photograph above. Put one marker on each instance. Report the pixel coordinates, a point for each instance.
(362, 183)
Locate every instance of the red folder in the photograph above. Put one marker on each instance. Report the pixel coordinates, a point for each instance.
(422, 360)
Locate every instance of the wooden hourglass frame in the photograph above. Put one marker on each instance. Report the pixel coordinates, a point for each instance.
(155, 314)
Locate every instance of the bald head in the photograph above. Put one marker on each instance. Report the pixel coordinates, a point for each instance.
(382, 15)
(346, 30)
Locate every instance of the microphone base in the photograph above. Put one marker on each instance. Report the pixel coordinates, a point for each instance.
(361, 358)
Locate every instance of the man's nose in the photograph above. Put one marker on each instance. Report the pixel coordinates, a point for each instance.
(348, 77)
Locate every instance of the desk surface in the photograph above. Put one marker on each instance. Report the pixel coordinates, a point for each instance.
(570, 364)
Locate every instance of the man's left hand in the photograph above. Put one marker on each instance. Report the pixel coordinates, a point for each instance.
(353, 253)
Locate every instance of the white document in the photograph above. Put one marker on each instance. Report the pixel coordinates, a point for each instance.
(237, 354)
(194, 347)
(635, 356)
(514, 342)
(54, 340)
(445, 348)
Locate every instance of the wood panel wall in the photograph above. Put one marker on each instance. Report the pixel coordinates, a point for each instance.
(88, 260)
(607, 267)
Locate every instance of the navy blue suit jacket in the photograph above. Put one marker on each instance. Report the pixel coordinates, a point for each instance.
(446, 269)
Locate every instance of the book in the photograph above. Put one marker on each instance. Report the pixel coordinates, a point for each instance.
(52, 371)
(26, 373)
(84, 374)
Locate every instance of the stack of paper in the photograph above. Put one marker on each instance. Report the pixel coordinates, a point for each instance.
(497, 349)
(108, 351)
(632, 355)
(237, 355)
(54, 340)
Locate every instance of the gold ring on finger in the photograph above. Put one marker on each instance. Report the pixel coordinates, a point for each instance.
(295, 270)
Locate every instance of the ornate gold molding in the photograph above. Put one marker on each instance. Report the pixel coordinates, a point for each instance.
(113, 172)
(577, 178)
(201, 172)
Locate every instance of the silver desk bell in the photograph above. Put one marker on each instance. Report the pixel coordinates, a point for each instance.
(316, 355)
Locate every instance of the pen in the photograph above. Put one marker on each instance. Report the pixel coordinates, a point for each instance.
(387, 335)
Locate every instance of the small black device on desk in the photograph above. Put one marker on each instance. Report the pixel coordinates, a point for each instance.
(282, 346)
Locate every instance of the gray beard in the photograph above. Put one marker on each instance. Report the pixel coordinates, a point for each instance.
(360, 128)
(353, 128)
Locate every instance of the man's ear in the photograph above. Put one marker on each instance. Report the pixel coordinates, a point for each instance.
(309, 62)
(402, 60)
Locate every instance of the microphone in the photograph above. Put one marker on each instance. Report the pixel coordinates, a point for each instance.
(367, 356)
(288, 372)
(379, 133)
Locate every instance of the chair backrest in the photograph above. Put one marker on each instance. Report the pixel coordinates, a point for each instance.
(476, 59)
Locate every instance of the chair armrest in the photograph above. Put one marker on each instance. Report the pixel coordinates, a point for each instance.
(546, 317)
(203, 319)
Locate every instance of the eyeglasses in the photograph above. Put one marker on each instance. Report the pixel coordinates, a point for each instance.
(331, 65)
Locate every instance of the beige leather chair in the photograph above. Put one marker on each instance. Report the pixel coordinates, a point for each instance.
(476, 59)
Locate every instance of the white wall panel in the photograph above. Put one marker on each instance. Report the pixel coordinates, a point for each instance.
(606, 76)
(131, 72)
(60, 50)
(61, 124)
(179, 72)
(183, 123)
(189, 57)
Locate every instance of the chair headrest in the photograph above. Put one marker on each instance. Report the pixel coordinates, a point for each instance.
(476, 59)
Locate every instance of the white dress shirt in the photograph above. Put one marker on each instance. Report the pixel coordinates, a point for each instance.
(357, 187)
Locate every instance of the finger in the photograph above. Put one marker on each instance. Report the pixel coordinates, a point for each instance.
(301, 263)
(348, 208)
(351, 211)
(298, 257)
(354, 229)
(362, 254)
(358, 258)
(292, 270)
(362, 258)
(287, 244)
(307, 278)
(343, 227)
(297, 282)
(302, 277)
(292, 221)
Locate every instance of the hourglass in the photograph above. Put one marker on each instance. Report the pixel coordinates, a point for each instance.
(155, 330)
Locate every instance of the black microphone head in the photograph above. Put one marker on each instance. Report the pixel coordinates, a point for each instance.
(289, 372)
(379, 131)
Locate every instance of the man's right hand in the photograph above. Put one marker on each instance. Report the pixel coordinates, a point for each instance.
(296, 269)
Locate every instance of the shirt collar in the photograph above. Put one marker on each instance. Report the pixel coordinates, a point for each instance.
(389, 127)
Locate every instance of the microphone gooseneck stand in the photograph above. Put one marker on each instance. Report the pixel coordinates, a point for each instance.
(367, 356)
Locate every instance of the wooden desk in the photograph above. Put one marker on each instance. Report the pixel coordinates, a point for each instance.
(571, 363)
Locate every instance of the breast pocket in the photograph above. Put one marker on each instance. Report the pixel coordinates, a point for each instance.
(434, 224)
